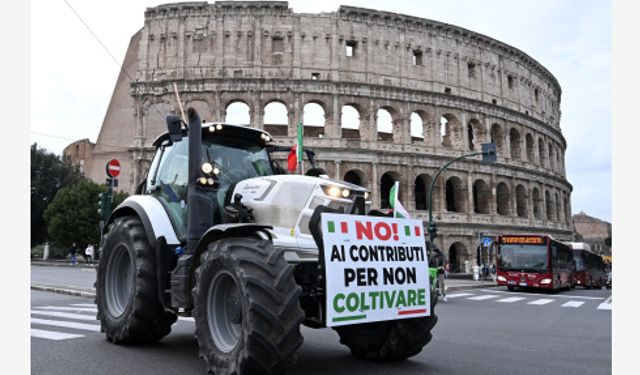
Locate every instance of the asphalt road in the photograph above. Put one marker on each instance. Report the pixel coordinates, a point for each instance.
(479, 331)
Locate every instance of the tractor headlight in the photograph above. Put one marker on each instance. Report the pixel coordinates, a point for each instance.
(367, 195)
(219, 127)
(332, 191)
(345, 193)
(202, 180)
(207, 168)
(265, 137)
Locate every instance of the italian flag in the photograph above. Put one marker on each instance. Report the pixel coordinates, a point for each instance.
(296, 154)
(398, 209)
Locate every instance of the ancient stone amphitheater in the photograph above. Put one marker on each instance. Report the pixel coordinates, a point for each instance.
(383, 97)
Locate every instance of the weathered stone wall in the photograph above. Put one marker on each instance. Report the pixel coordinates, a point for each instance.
(258, 53)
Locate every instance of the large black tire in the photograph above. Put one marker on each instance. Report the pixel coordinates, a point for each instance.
(246, 308)
(129, 308)
(389, 340)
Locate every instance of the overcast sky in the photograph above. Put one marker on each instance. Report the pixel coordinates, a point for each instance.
(73, 77)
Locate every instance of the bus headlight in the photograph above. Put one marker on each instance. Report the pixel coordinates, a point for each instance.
(545, 281)
(502, 278)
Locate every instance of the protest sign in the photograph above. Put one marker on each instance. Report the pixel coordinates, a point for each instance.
(376, 269)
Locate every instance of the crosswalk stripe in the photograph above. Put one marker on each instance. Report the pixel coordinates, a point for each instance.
(64, 315)
(456, 295)
(573, 304)
(541, 301)
(61, 308)
(606, 305)
(66, 324)
(53, 335)
(511, 299)
(483, 297)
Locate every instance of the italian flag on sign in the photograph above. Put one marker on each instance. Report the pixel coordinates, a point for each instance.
(296, 153)
(398, 209)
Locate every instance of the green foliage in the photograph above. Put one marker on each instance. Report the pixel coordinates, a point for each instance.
(49, 174)
(72, 216)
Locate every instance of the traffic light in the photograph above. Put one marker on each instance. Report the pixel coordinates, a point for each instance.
(104, 205)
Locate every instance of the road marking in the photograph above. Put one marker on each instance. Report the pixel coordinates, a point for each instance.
(541, 301)
(573, 304)
(606, 305)
(61, 308)
(534, 294)
(64, 315)
(482, 298)
(53, 335)
(456, 295)
(62, 323)
(511, 299)
(84, 305)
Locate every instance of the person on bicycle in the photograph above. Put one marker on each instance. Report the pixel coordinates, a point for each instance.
(440, 264)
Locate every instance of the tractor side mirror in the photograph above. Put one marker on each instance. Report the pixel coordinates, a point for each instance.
(174, 126)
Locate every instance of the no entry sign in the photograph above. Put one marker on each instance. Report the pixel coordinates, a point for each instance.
(113, 168)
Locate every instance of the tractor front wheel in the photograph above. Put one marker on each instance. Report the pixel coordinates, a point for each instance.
(246, 308)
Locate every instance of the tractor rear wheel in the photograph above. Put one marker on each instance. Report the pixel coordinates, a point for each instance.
(129, 308)
(246, 308)
(389, 340)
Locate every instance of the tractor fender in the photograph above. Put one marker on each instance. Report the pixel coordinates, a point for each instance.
(217, 232)
(153, 216)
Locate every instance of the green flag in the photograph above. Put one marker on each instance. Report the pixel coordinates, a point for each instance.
(300, 148)
(398, 209)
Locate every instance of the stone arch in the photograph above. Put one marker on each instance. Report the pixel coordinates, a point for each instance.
(201, 106)
(558, 208)
(521, 201)
(450, 131)
(503, 199)
(567, 208)
(530, 148)
(552, 159)
(428, 130)
(386, 123)
(154, 121)
(313, 119)
(315, 172)
(549, 205)
(276, 117)
(416, 124)
(537, 204)
(455, 195)
(387, 181)
(421, 191)
(350, 115)
(475, 135)
(456, 256)
(355, 176)
(497, 137)
(481, 197)
(515, 144)
(541, 153)
(237, 112)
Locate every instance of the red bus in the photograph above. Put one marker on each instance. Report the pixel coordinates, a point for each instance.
(590, 269)
(533, 261)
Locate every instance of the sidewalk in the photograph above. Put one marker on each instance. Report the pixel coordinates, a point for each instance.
(452, 283)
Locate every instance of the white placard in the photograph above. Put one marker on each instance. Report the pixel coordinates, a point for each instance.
(376, 269)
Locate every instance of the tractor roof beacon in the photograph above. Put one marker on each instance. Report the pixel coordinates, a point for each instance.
(220, 232)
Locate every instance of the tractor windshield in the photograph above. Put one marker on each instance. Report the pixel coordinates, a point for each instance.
(236, 159)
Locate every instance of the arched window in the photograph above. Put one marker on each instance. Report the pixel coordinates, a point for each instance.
(455, 195)
(417, 128)
(384, 124)
(350, 120)
(475, 134)
(450, 131)
(421, 192)
(237, 113)
(503, 198)
(497, 137)
(537, 201)
(313, 120)
(543, 155)
(354, 177)
(530, 148)
(386, 183)
(549, 205)
(515, 143)
(481, 197)
(521, 201)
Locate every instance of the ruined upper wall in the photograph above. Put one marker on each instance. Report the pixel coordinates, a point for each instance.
(267, 40)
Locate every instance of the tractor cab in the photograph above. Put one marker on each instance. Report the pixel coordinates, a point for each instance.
(230, 154)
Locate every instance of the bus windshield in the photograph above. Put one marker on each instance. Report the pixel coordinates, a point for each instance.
(577, 257)
(520, 257)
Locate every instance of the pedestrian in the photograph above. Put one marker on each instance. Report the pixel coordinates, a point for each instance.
(73, 250)
(89, 253)
(440, 264)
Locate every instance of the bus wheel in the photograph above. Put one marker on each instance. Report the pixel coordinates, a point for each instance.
(511, 288)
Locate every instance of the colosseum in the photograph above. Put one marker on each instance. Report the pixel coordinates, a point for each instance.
(383, 97)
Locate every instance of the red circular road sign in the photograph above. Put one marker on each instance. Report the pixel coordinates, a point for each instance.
(113, 168)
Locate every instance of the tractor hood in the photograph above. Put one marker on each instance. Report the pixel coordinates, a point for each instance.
(286, 202)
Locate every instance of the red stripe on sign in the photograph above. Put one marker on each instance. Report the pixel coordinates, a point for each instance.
(409, 312)
(344, 227)
(417, 229)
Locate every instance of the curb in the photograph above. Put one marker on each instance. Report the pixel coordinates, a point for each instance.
(465, 287)
(64, 290)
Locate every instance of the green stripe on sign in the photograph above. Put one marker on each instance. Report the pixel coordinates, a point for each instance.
(331, 226)
(407, 231)
(346, 318)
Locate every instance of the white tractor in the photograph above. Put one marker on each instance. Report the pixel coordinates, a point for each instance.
(218, 231)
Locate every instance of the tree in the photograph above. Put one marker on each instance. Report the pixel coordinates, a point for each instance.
(49, 173)
(72, 216)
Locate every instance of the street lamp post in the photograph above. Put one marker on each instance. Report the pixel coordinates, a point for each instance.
(488, 156)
